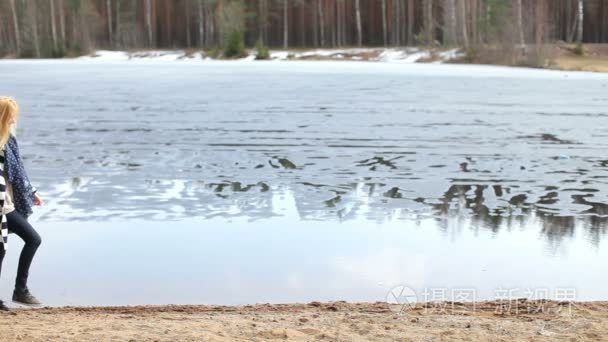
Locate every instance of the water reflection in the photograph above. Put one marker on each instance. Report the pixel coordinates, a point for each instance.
(492, 207)
(282, 259)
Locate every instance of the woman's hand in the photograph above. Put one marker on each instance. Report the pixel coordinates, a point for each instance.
(38, 199)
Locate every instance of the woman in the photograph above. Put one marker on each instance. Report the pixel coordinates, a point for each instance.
(19, 196)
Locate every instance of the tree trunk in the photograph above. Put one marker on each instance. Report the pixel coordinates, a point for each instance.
(148, 13)
(322, 22)
(110, 33)
(520, 25)
(285, 25)
(16, 27)
(168, 23)
(187, 15)
(339, 22)
(302, 24)
(397, 22)
(579, 32)
(449, 27)
(265, 21)
(262, 20)
(474, 11)
(201, 27)
(429, 25)
(335, 24)
(62, 22)
(118, 39)
(32, 16)
(410, 22)
(315, 23)
(53, 27)
(220, 28)
(540, 22)
(463, 18)
(358, 17)
(384, 28)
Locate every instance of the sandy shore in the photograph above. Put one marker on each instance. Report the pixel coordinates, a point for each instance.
(338, 321)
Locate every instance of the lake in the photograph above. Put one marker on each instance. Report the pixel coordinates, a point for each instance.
(252, 182)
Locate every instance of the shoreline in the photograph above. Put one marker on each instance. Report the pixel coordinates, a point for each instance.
(320, 321)
(563, 59)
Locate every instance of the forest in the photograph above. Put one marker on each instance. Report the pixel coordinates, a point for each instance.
(58, 28)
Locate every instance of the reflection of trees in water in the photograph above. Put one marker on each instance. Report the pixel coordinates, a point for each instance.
(507, 210)
(489, 207)
(463, 199)
(493, 207)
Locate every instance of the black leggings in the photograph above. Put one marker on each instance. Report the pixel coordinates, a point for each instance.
(18, 224)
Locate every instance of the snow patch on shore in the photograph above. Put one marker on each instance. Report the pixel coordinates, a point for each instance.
(409, 55)
(156, 55)
(386, 55)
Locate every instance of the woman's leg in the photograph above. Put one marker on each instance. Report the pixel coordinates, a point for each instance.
(19, 225)
(2, 253)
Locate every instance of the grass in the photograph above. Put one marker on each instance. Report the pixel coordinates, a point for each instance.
(580, 63)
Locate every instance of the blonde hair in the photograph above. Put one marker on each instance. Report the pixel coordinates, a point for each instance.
(9, 109)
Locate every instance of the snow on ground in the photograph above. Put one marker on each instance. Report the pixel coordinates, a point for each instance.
(408, 55)
(411, 61)
(387, 55)
(157, 55)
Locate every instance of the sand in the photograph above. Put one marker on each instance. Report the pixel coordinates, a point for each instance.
(337, 321)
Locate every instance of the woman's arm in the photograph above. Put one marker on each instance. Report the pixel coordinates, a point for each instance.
(33, 193)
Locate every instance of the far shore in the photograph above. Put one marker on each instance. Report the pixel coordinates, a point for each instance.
(335, 321)
(561, 56)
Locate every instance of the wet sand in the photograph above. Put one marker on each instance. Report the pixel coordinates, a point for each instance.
(336, 321)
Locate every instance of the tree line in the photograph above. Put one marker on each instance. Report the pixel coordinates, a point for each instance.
(56, 28)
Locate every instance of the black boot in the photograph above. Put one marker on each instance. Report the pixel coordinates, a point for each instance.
(3, 306)
(23, 296)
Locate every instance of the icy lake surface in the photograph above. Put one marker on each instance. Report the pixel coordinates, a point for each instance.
(245, 182)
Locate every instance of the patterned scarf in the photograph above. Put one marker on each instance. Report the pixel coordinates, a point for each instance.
(3, 223)
(23, 191)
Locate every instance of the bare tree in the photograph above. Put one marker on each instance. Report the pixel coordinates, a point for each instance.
(109, 13)
(473, 20)
(118, 39)
(449, 27)
(187, 15)
(540, 20)
(33, 24)
(520, 25)
(201, 26)
(396, 22)
(285, 25)
(62, 22)
(384, 28)
(463, 18)
(579, 31)
(302, 29)
(321, 9)
(148, 14)
(263, 19)
(358, 18)
(16, 27)
(410, 22)
(340, 21)
(429, 24)
(53, 27)
(169, 32)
